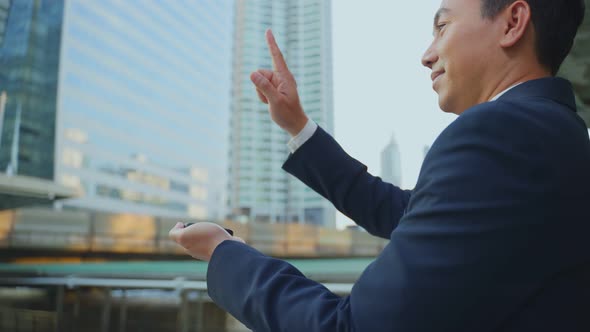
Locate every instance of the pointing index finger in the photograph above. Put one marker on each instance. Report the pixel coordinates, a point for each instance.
(278, 62)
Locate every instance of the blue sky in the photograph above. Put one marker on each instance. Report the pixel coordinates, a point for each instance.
(380, 86)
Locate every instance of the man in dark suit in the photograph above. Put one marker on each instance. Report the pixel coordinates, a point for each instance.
(495, 236)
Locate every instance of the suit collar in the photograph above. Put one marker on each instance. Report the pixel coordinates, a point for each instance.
(554, 88)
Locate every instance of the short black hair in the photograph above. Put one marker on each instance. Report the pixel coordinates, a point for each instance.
(556, 23)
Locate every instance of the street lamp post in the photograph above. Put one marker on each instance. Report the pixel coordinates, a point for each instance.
(12, 167)
(2, 105)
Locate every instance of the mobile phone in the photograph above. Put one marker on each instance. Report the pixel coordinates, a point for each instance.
(226, 229)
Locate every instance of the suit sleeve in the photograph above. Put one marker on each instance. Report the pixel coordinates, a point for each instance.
(323, 165)
(268, 294)
(476, 245)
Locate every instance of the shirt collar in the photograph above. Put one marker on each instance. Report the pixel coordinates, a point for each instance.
(503, 92)
(553, 88)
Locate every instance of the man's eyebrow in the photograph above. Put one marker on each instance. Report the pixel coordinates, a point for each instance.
(440, 11)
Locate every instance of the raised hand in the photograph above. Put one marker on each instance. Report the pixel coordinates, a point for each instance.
(278, 89)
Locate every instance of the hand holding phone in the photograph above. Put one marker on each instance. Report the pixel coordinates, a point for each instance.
(226, 229)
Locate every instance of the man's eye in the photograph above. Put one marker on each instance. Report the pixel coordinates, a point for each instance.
(440, 26)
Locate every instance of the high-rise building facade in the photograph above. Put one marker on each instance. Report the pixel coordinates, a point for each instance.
(127, 104)
(258, 188)
(29, 61)
(391, 170)
(4, 4)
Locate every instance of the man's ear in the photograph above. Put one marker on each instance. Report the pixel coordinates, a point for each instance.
(516, 19)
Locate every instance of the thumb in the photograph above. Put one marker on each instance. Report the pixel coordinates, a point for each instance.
(263, 85)
(175, 231)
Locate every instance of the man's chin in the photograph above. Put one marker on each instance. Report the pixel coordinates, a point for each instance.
(442, 103)
(449, 111)
(446, 106)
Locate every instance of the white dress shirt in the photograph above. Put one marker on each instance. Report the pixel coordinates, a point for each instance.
(305, 134)
(503, 92)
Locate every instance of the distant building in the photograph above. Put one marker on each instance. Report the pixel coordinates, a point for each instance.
(425, 150)
(3, 17)
(259, 189)
(128, 105)
(391, 170)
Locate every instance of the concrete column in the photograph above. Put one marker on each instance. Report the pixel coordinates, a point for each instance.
(106, 311)
(76, 313)
(123, 311)
(59, 308)
(200, 313)
(183, 312)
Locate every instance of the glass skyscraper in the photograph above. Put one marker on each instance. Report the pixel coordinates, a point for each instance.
(29, 61)
(259, 189)
(391, 169)
(3, 17)
(129, 102)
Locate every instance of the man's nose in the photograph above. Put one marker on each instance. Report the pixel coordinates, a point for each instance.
(430, 57)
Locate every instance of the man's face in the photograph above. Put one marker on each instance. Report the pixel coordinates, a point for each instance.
(461, 54)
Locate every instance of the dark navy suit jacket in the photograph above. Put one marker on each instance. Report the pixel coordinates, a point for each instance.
(495, 236)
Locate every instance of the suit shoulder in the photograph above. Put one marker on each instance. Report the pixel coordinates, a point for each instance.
(534, 116)
(533, 127)
(484, 120)
(495, 113)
